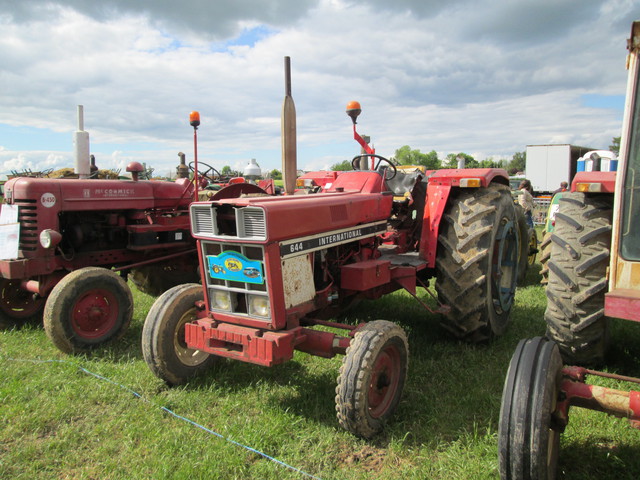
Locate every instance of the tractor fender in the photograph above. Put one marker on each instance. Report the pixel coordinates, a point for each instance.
(439, 187)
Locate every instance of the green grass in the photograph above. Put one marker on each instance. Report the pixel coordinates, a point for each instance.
(59, 422)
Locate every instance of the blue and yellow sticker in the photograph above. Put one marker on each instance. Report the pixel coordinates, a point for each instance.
(235, 267)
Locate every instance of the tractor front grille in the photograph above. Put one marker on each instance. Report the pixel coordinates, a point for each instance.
(28, 218)
(227, 221)
(236, 289)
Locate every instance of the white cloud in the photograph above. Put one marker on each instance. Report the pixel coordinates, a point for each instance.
(465, 75)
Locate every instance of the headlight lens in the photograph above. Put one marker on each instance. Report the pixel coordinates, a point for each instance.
(221, 300)
(49, 238)
(259, 305)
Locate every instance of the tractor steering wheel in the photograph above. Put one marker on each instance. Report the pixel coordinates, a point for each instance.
(205, 174)
(355, 164)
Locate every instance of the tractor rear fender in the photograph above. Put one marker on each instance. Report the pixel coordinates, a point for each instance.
(594, 182)
(439, 187)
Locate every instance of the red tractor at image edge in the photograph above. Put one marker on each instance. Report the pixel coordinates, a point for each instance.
(593, 277)
(80, 239)
(273, 268)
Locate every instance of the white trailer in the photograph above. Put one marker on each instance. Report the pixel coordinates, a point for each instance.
(548, 165)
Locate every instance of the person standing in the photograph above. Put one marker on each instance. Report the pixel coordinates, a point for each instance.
(563, 188)
(525, 199)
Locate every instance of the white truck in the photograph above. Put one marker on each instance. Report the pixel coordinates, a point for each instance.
(548, 165)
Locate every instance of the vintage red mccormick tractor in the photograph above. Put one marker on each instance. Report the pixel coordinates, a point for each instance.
(77, 241)
(593, 276)
(275, 267)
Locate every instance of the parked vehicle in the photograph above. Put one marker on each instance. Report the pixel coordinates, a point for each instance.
(593, 276)
(76, 242)
(368, 233)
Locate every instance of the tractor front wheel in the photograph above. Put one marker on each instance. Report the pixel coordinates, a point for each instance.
(528, 437)
(87, 308)
(17, 306)
(163, 342)
(477, 261)
(372, 378)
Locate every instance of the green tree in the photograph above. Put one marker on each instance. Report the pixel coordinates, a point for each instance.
(406, 156)
(518, 163)
(275, 174)
(452, 161)
(615, 146)
(226, 170)
(488, 163)
(343, 166)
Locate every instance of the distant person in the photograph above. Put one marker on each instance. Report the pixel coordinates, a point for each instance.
(525, 199)
(564, 186)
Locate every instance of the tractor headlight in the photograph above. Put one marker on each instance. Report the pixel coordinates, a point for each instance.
(49, 238)
(259, 305)
(221, 300)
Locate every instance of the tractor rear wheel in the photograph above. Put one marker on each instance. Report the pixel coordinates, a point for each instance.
(87, 308)
(163, 343)
(17, 306)
(372, 378)
(578, 264)
(545, 253)
(528, 438)
(155, 279)
(523, 252)
(477, 262)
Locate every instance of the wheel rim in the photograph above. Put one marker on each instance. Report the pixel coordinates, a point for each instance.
(385, 379)
(187, 356)
(505, 260)
(95, 314)
(18, 303)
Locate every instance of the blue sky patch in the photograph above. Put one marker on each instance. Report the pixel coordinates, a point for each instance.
(615, 102)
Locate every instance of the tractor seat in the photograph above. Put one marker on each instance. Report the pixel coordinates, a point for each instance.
(403, 183)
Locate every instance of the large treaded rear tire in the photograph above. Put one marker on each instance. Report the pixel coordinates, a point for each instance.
(545, 253)
(577, 284)
(157, 278)
(478, 250)
(523, 253)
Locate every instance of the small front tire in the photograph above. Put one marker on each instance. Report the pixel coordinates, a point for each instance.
(18, 306)
(163, 343)
(528, 437)
(372, 377)
(87, 308)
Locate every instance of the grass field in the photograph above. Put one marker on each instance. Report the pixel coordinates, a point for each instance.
(58, 421)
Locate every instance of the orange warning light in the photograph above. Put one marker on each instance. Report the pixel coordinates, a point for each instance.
(194, 119)
(353, 110)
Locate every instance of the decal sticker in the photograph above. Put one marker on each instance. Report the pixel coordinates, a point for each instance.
(48, 200)
(290, 248)
(235, 267)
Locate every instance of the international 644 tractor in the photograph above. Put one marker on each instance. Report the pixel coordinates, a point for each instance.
(76, 240)
(593, 276)
(273, 268)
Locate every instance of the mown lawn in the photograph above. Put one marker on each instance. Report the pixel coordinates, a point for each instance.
(58, 421)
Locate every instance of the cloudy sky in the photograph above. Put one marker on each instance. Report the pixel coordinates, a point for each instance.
(483, 77)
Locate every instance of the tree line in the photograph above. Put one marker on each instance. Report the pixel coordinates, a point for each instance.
(405, 155)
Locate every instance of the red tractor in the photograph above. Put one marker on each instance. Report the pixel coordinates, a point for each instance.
(273, 268)
(593, 276)
(77, 240)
